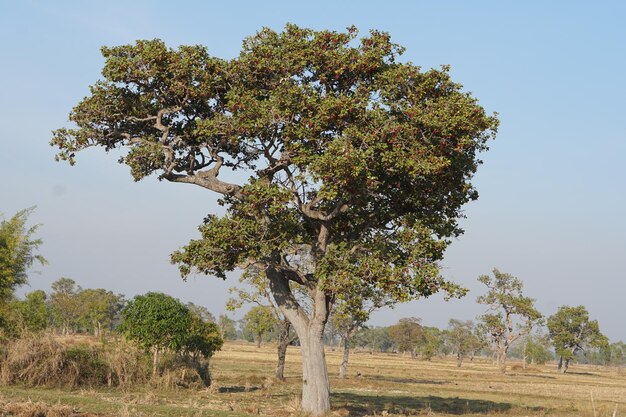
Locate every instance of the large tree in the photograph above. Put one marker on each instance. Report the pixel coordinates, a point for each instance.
(571, 331)
(511, 314)
(352, 158)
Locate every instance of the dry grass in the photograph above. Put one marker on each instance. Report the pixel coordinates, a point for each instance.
(388, 384)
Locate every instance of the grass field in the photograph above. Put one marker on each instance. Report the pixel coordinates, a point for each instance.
(387, 385)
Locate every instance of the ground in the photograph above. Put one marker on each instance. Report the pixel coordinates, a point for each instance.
(378, 385)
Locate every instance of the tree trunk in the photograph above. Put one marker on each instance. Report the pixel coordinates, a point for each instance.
(310, 330)
(560, 365)
(502, 360)
(315, 384)
(343, 368)
(459, 359)
(259, 337)
(283, 342)
(565, 366)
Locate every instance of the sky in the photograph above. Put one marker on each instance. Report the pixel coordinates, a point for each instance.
(552, 186)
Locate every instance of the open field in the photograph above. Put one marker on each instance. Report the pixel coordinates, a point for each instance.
(388, 384)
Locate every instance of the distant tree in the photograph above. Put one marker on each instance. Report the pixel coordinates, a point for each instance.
(97, 309)
(258, 293)
(64, 305)
(374, 338)
(461, 339)
(511, 316)
(228, 327)
(201, 311)
(429, 343)
(258, 322)
(536, 349)
(406, 334)
(157, 322)
(18, 253)
(571, 331)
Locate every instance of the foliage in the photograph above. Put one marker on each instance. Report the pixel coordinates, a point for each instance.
(30, 314)
(571, 331)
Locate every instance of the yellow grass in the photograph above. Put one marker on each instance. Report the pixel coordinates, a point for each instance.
(387, 384)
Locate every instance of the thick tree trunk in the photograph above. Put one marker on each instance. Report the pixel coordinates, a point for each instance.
(310, 330)
(565, 366)
(459, 359)
(560, 365)
(315, 384)
(343, 368)
(259, 338)
(283, 343)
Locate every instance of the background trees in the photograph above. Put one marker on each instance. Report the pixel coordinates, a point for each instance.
(362, 160)
(571, 331)
(511, 315)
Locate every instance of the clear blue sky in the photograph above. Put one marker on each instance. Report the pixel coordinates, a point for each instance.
(552, 186)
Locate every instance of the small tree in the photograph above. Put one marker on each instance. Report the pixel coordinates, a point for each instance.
(202, 340)
(571, 331)
(512, 315)
(64, 305)
(258, 322)
(18, 253)
(461, 339)
(406, 334)
(227, 326)
(157, 322)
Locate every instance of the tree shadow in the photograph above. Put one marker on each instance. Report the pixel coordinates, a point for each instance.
(407, 380)
(361, 405)
(237, 388)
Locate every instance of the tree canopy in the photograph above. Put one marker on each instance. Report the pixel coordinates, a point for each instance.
(353, 158)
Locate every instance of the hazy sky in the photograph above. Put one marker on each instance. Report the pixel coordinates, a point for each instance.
(552, 187)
